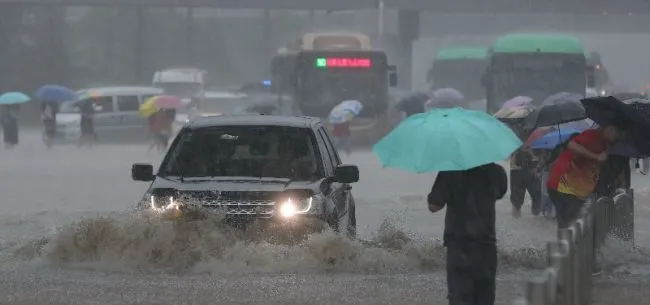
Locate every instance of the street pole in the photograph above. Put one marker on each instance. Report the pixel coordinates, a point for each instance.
(380, 22)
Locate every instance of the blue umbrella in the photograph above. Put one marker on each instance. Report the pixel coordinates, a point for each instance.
(13, 98)
(56, 93)
(446, 140)
(553, 138)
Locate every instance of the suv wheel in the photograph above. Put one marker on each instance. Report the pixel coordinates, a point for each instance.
(347, 224)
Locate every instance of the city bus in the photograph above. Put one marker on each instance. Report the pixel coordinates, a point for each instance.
(534, 65)
(460, 68)
(321, 71)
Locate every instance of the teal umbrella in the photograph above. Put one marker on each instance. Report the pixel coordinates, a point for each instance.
(446, 140)
(12, 98)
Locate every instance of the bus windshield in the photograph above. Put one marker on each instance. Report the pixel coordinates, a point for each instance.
(462, 75)
(536, 76)
(539, 84)
(328, 88)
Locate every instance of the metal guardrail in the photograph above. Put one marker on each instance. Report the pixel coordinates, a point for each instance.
(571, 258)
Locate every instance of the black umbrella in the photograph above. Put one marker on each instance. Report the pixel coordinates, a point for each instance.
(563, 111)
(609, 110)
(640, 105)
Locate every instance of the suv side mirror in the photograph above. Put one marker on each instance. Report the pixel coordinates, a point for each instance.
(346, 173)
(142, 172)
(392, 79)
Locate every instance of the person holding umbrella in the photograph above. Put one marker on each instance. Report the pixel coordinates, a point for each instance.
(548, 148)
(51, 96)
(574, 175)
(9, 108)
(341, 117)
(161, 113)
(468, 185)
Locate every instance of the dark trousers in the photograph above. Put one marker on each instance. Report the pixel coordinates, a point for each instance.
(471, 272)
(522, 180)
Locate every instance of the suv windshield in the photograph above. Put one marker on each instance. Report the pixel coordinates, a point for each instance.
(245, 151)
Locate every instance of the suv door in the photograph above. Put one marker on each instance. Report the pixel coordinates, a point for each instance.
(339, 192)
(106, 120)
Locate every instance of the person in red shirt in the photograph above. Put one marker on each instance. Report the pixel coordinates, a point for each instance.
(341, 133)
(573, 176)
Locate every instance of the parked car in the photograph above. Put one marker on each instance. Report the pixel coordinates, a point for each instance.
(253, 167)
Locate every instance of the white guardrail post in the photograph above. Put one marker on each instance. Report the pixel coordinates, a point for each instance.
(570, 259)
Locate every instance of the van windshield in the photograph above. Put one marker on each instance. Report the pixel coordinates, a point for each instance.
(245, 151)
(181, 89)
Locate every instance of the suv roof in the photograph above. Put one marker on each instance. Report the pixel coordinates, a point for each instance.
(258, 120)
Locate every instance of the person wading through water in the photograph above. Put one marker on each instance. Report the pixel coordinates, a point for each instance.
(470, 235)
(48, 116)
(87, 124)
(524, 178)
(9, 117)
(574, 175)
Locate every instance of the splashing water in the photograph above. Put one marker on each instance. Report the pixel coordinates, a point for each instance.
(144, 243)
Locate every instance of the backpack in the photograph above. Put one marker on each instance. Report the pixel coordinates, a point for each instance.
(557, 150)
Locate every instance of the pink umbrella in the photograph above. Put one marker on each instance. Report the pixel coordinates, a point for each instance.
(517, 101)
(165, 101)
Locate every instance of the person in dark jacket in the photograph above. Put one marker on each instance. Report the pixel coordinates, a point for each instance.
(87, 124)
(470, 235)
(524, 178)
(9, 117)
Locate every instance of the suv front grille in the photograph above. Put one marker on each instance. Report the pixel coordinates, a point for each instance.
(258, 204)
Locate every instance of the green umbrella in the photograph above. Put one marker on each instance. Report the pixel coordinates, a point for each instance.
(446, 140)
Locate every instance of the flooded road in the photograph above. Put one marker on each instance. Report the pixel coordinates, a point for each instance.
(67, 237)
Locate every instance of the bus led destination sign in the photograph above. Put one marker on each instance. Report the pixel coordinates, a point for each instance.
(340, 62)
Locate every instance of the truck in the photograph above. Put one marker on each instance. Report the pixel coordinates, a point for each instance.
(460, 68)
(185, 83)
(320, 70)
(535, 65)
(597, 75)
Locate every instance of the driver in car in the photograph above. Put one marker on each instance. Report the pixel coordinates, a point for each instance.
(293, 162)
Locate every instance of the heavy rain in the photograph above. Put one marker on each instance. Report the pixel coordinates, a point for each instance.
(73, 231)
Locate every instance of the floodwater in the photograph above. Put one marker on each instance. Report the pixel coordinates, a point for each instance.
(67, 236)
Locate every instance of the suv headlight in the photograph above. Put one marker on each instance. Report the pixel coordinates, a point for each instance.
(159, 203)
(291, 207)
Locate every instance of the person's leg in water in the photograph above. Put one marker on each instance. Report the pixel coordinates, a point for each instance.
(471, 272)
(486, 272)
(346, 145)
(517, 191)
(534, 191)
(49, 132)
(567, 208)
(163, 142)
(645, 166)
(547, 205)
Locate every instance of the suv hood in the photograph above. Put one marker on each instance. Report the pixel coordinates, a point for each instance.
(232, 184)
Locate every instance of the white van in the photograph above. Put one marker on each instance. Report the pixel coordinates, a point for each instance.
(116, 114)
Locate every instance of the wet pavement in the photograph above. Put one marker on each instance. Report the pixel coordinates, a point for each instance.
(67, 237)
